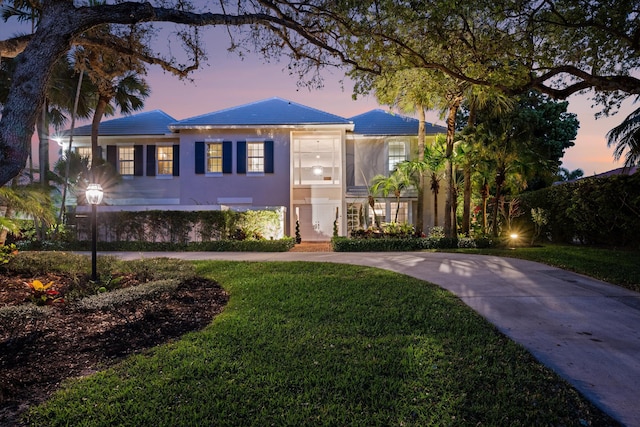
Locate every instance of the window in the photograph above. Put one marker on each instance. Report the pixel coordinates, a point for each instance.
(255, 157)
(355, 216)
(214, 157)
(397, 154)
(165, 160)
(386, 212)
(126, 161)
(84, 152)
(317, 161)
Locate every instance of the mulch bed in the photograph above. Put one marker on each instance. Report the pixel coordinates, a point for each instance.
(36, 356)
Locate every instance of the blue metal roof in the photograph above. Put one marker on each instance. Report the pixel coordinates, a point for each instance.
(381, 122)
(269, 112)
(154, 122)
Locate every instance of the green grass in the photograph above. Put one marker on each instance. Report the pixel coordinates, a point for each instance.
(326, 345)
(620, 267)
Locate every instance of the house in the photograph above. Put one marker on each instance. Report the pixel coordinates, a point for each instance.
(270, 154)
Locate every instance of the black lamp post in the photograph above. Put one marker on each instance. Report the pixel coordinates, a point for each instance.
(94, 195)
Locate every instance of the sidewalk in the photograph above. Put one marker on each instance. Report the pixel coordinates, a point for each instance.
(585, 330)
(312, 247)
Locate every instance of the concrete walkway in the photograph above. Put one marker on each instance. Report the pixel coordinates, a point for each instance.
(585, 330)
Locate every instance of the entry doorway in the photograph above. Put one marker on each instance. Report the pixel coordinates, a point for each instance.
(316, 221)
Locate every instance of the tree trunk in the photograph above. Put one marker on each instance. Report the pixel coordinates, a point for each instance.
(466, 206)
(435, 188)
(101, 107)
(421, 144)
(466, 198)
(68, 165)
(43, 145)
(496, 207)
(451, 130)
(485, 196)
(43, 158)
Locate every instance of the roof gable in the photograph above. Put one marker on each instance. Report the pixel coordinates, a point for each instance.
(381, 122)
(154, 122)
(269, 112)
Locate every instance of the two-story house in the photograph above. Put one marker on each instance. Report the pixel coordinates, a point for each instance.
(271, 154)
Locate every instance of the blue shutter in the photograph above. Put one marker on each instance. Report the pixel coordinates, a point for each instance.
(137, 160)
(151, 160)
(112, 155)
(176, 160)
(268, 157)
(227, 157)
(199, 157)
(242, 157)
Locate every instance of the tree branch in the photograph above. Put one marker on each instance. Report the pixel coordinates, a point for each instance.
(10, 48)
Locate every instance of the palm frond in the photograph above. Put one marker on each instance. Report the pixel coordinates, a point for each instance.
(626, 139)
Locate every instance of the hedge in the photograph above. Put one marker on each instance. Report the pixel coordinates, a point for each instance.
(594, 211)
(279, 245)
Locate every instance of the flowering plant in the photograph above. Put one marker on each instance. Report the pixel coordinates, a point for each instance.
(44, 294)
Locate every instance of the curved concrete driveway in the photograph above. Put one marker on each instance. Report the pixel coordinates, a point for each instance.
(585, 330)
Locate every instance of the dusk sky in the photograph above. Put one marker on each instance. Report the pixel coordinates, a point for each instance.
(229, 81)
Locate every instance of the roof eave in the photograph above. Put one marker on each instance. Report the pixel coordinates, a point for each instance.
(345, 126)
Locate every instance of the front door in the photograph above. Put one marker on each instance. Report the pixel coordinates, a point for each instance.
(316, 221)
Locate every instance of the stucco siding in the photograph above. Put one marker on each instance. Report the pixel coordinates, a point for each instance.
(256, 189)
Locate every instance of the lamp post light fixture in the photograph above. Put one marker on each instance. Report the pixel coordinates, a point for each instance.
(514, 240)
(94, 194)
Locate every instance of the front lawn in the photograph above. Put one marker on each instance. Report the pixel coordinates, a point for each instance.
(325, 344)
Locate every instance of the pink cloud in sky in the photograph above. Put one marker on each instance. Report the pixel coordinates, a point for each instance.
(229, 81)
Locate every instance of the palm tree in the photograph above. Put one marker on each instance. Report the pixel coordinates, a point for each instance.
(485, 100)
(409, 91)
(30, 200)
(626, 139)
(482, 176)
(116, 78)
(565, 174)
(435, 159)
(395, 184)
(126, 93)
(508, 157)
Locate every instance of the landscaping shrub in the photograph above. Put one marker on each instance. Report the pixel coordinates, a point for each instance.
(391, 244)
(183, 227)
(595, 211)
(280, 245)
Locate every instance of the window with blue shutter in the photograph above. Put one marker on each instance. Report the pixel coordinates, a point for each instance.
(241, 148)
(176, 160)
(199, 167)
(137, 160)
(268, 157)
(112, 156)
(227, 157)
(255, 157)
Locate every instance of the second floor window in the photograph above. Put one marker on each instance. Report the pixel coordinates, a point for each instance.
(165, 160)
(214, 157)
(126, 160)
(397, 154)
(255, 157)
